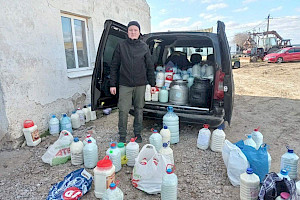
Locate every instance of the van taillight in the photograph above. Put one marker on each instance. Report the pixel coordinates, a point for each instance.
(219, 85)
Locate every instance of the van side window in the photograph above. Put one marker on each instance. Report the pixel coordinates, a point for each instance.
(291, 51)
(297, 50)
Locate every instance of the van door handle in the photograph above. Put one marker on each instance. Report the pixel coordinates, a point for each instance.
(225, 88)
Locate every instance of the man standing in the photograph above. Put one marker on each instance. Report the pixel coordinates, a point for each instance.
(132, 65)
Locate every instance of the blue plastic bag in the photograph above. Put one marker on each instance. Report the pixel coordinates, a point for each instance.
(258, 159)
(74, 186)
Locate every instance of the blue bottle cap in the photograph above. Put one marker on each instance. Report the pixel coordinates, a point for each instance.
(112, 186)
(169, 171)
(249, 171)
(89, 141)
(53, 116)
(165, 126)
(170, 109)
(73, 112)
(90, 105)
(284, 172)
(64, 115)
(76, 139)
(163, 87)
(113, 145)
(165, 144)
(155, 131)
(249, 136)
(290, 151)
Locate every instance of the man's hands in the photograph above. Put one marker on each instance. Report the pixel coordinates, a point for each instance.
(153, 90)
(113, 90)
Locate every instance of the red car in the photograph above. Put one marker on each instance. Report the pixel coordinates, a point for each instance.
(284, 55)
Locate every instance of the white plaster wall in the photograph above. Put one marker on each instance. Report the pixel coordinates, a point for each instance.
(33, 71)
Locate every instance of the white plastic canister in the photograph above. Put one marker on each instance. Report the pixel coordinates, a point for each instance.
(121, 147)
(250, 185)
(154, 96)
(31, 133)
(81, 116)
(156, 140)
(249, 141)
(148, 93)
(217, 139)
(132, 151)
(54, 126)
(90, 154)
(204, 137)
(115, 156)
(104, 175)
(169, 185)
(160, 79)
(165, 134)
(257, 137)
(163, 95)
(76, 149)
(93, 113)
(167, 151)
(113, 193)
(289, 161)
(89, 137)
(75, 120)
(171, 120)
(87, 114)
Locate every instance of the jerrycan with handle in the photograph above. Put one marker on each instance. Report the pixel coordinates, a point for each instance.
(132, 151)
(289, 161)
(76, 149)
(257, 137)
(90, 154)
(156, 139)
(31, 133)
(217, 139)
(115, 156)
(75, 120)
(165, 134)
(171, 120)
(249, 141)
(169, 184)
(204, 137)
(250, 185)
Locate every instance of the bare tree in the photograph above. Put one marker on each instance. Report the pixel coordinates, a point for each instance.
(240, 38)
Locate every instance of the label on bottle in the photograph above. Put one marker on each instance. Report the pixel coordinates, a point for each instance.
(109, 180)
(35, 135)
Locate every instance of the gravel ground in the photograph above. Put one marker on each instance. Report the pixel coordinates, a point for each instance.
(201, 174)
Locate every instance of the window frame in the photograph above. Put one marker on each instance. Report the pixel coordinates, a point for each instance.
(77, 68)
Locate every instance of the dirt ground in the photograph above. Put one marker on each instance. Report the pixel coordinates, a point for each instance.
(267, 95)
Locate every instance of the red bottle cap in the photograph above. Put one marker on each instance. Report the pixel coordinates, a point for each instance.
(206, 126)
(104, 163)
(28, 123)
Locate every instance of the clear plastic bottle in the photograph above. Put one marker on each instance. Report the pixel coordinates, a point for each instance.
(54, 126)
(115, 156)
(65, 123)
(132, 151)
(284, 174)
(148, 93)
(93, 113)
(249, 141)
(75, 120)
(76, 149)
(217, 139)
(89, 137)
(250, 185)
(257, 137)
(204, 137)
(289, 161)
(113, 193)
(167, 151)
(87, 114)
(165, 134)
(169, 185)
(90, 154)
(160, 79)
(81, 116)
(156, 140)
(163, 95)
(171, 120)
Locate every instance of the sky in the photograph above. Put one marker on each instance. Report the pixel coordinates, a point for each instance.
(238, 16)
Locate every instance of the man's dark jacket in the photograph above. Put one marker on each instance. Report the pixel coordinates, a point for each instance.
(132, 62)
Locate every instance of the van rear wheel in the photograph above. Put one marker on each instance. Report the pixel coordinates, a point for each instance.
(280, 60)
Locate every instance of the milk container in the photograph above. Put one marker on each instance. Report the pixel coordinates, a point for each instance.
(165, 134)
(190, 81)
(89, 137)
(168, 78)
(115, 156)
(75, 120)
(167, 151)
(171, 120)
(148, 93)
(204, 137)
(169, 185)
(104, 175)
(90, 154)
(217, 139)
(196, 71)
(76, 149)
(54, 126)
(289, 161)
(132, 151)
(250, 185)
(121, 147)
(250, 142)
(87, 114)
(31, 133)
(257, 137)
(160, 79)
(65, 123)
(93, 113)
(156, 140)
(163, 95)
(284, 174)
(154, 96)
(113, 193)
(81, 116)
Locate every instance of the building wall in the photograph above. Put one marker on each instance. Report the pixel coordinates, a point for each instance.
(34, 78)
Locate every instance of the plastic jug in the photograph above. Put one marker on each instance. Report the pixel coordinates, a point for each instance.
(148, 93)
(155, 139)
(190, 81)
(54, 126)
(132, 151)
(154, 96)
(171, 120)
(289, 161)
(217, 139)
(65, 123)
(31, 133)
(113, 193)
(250, 185)
(168, 78)
(165, 134)
(104, 175)
(93, 113)
(196, 71)
(81, 116)
(121, 147)
(163, 95)
(75, 120)
(298, 189)
(76, 149)
(90, 154)
(284, 174)
(249, 141)
(115, 156)
(169, 185)
(204, 137)
(257, 137)
(167, 151)
(160, 79)
(87, 114)
(89, 137)
(283, 196)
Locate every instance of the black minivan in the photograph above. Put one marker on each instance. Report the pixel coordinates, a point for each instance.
(212, 47)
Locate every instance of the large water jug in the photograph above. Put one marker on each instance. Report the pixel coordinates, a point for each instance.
(156, 140)
(90, 154)
(163, 95)
(160, 79)
(167, 151)
(93, 113)
(75, 120)
(165, 134)
(104, 175)
(89, 137)
(217, 139)
(65, 123)
(81, 116)
(54, 126)
(203, 137)
(179, 92)
(257, 137)
(121, 147)
(249, 141)
(114, 155)
(113, 193)
(148, 93)
(196, 71)
(249, 187)
(289, 161)
(169, 185)
(87, 114)
(76, 149)
(200, 93)
(284, 174)
(171, 120)
(190, 81)
(132, 151)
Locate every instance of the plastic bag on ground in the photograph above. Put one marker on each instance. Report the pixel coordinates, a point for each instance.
(73, 187)
(235, 162)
